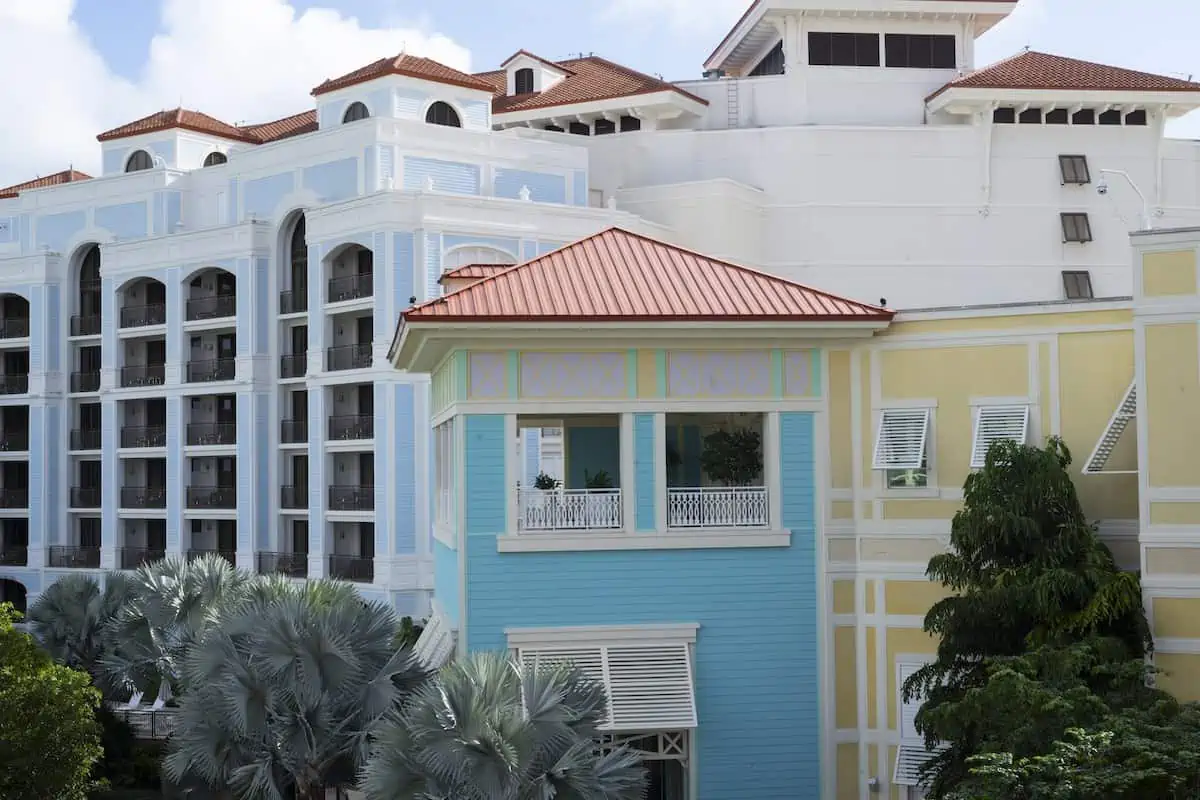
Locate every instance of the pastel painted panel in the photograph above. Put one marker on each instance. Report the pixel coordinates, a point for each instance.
(543, 187)
(54, 230)
(799, 373)
(573, 375)
(452, 177)
(126, 220)
(487, 376)
(334, 180)
(262, 195)
(718, 374)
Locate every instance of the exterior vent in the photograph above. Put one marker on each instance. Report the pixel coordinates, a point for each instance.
(994, 424)
(902, 438)
(1125, 413)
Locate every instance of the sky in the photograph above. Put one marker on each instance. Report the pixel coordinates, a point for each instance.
(74, 68)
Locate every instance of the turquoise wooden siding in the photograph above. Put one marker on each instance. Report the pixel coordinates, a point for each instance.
(543, 186)
(445, 581)
(643, 471)
(485, 479)
(448, 176)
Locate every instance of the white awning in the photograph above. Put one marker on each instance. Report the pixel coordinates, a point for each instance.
(902, 438)
(997, 423)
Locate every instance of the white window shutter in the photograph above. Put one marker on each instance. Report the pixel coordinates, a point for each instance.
(909, 760)
(435, 645)
(908, 711)
(912, 754)
(994, 424)
(1126, 412)
(902, 438)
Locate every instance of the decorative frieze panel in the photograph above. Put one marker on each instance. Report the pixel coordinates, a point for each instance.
(719, 374)
(487, 376)
(800, 373)
(567, 375)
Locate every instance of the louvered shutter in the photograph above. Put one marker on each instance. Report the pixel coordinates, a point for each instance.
(911, 755)
(435, 645)
(902, 438)
(1126, 413)
(994, 424)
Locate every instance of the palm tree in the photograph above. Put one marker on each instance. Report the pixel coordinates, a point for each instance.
(487, 728)
(72, 618)
(284, 693)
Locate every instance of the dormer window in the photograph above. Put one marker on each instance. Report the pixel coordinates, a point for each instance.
(443, 114)
(138, 161)
(523, 81)
(215, 159)
(355, 112)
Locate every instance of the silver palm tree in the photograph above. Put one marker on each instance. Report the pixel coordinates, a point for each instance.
(487, 728)
(283, 695)
(72, 618)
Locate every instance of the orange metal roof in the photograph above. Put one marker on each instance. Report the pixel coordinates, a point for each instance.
(467, 271)
(619, 276)
(66, 176)
(408, 65)
(1033, 70)
(178, 118)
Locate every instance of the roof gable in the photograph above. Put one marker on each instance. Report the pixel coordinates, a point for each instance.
(558, 68)
(65, 176)
(409, 66)
(178, 118)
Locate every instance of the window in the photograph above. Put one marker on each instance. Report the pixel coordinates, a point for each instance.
(444, 477)
(771, 64)
(1125, 414)
(1136, 117)
(1076, 227)
(1004, 116)
(138, 161)
(1085, 116)
(843, 49)
(901, 446)
(1074, 169)
(994, 424)
(579, 129)
(630, 124)
(603, 126)
(214, 159)
(1110, 117)
(1077, 284)
(920, 51)
(523, 81)
(443, 114)
(1030, 116)
(1056, 116)
(355, 112)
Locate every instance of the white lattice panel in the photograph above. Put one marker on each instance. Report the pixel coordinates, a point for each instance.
(717, 374)
(487, 376)
(553, 375)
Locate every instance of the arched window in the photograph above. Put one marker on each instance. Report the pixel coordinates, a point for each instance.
(138, 161)
(523, 81)
(89, 269)
(461, 256)
(299, 248)
(443, 114)
(355, 112)
(213, 159)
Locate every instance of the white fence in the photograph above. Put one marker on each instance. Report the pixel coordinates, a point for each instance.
(569, 509)
(717, 507)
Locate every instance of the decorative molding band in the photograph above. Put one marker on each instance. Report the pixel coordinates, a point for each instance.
(603, 634)
(585, 541)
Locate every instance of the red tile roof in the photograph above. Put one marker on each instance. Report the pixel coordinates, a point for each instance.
(469, 271)
(588, 79)
(66, 176)
(304, 122)
(618, 276)
(1033, 70)
(408, 65)
(178, 118)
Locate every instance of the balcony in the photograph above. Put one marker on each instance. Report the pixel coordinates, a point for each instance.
(85, 497)
(351, 356)
(14, 556)
(85, 325)
(293, 431)
(144, 497)
(141, 316)
(293, 301)
(355, 426)
(14, 328)
(86, 439)
(294, 365)
(216, 306)
(293, 565)
(351, 498)
(14, 441)
(352, 568)
(224, 497)
(209, 434)
(73, 557)
(143, 375)
(152, 436)
(14, 498)
(229, 555)
(293, 497)
(717, 507)
(212, 369)
(85, 381)
(14, 384)
(569, 509)
(137, 557)
(351, 287)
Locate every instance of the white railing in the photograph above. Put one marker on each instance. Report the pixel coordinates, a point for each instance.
(569, 509)
(717, 507)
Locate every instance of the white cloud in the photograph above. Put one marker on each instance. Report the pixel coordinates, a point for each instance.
(239, 60)
(679, 16)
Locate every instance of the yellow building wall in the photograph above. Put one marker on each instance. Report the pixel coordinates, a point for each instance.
(1169, 273)
(1172, 399)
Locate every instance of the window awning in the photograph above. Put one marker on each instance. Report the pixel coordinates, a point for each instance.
(997, 423)
(435, 645)
(902, 438)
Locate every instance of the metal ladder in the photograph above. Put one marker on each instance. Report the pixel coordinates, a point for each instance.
(732, 94)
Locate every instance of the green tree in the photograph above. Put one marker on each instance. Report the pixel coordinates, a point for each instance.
(1026, 570)
(47, 724)
(487, 729)
(72, 619)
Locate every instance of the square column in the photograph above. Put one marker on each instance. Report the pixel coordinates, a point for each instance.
(110, 484)
(772, 472)
(318, 526)
(176, 489)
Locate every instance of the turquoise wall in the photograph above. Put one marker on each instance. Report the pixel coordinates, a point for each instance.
(643, 471)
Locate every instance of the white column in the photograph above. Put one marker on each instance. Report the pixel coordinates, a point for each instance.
(628, 478)
(660, 472)
(512, 473)
(772, 477)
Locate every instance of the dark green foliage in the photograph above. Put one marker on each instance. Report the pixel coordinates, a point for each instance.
(127, 762)
(410, 630)
(732, 458)
(545, 483)
(599, 480)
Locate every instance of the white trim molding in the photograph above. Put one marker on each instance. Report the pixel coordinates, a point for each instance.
(591, 541)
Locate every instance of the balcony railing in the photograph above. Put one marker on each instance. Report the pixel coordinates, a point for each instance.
(211, 497)
(718, 507)
(135, 557)
(351, 287)
(14, 555)
(148, 723)
(351, 498)
(144, 497)
(87, 380)
(86, 439)
(293, 301)
(141, 316)
(14, 498)
(14, 441)
(229, 555)
(293, 365)
(149, 436)
(207, 434)
(352, 568)
(351, 356)
(85, 325)
(14, 384)
(71, 557)
(85, 497)
(14, 327)
(293, 497)
(293, 431)
(214, 307)
(143, 375)
(294, 565)
(211, 369)
(354, 426)
(569, 509)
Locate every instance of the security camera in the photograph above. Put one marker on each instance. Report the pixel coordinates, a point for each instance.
(1102, 186)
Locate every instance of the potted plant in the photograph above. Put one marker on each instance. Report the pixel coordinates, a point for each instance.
(598, 509)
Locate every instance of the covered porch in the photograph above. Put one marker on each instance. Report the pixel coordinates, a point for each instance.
(570, 473)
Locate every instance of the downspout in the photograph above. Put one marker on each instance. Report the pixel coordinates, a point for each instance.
(1160, 125)
(987, 124)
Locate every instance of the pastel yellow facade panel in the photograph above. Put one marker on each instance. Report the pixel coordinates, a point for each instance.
(872, 678)
(904, 550)
(866, 418)
(1175, 513)
(648, 384)
(841, 445)
(1176, 617)
(841, 509)
(1044, 371)
(912, 597)
(1016, 323)
(1126, 550)
(845, 678)
(847, 772)
(867, 509)
(842, 549)
(1180, 675)
(903, 642)
(1172, 398)
(1169, 274)
(843, 597)
(1173, 560)
(869, 588)
(920, 508)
